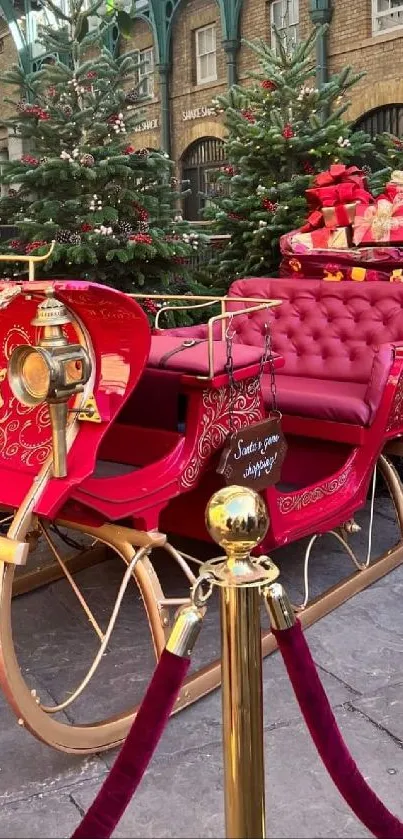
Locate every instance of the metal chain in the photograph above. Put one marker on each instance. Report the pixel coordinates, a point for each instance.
(229, 367)
(268, 357)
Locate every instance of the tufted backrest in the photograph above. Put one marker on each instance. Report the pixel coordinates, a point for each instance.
(323, 330)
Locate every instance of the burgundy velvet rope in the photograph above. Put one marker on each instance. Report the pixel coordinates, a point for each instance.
(137, 750)
(325, 734)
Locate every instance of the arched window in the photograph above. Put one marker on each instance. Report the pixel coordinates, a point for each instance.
(386, 118)
(201, 163)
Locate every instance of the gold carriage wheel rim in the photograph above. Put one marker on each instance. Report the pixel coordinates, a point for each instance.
(84, 738)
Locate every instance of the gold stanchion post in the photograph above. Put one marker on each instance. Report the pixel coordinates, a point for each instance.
(237, 519)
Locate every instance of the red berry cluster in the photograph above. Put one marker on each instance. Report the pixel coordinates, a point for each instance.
(17, 245)
(142, 214)
(267, 84)
(288, 132)
(248, 115)
(91, 74)
(141, 239)
(128, 150)
(149, 306)
(308, 168)
(234, 216)
(32, 246)
(229, 170)
(112, 119)
(29, 160)
(398, 144)
(35, 111)
(270, 206)
(85, 228)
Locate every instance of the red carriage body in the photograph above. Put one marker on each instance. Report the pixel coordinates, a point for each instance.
(165, 407)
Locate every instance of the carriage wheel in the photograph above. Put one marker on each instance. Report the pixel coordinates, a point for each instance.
(56, 725)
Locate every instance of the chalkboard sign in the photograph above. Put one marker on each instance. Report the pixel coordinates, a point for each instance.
(254, 455)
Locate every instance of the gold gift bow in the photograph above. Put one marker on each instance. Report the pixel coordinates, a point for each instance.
(380, 220)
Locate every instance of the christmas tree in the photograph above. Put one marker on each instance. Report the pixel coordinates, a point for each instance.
(281, 131)
(109, 206)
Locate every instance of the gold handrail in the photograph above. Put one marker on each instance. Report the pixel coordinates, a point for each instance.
(209, 300)
(267, 304)
(32, 260)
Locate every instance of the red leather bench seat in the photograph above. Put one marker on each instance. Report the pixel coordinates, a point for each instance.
(336, 340)
(326, 400)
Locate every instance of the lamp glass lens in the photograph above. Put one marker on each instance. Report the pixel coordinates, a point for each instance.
(73, 372)
(35, 375)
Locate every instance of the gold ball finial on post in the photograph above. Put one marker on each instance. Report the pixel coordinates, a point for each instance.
(237, 519)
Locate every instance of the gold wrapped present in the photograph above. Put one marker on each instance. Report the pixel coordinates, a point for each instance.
(340, 215)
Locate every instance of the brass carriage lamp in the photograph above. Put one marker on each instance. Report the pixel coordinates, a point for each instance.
(51, 372)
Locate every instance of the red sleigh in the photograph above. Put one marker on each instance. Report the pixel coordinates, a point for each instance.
(147, 418)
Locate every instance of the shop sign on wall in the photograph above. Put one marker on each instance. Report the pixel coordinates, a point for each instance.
(198, 113)
(146, 125)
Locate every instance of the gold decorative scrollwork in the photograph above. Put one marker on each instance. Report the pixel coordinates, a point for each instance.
(247, 409)
(299, 500)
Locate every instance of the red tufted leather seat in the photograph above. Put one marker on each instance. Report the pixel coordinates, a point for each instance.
(336, 339)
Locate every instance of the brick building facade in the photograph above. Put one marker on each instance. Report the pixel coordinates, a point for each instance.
(366, 34)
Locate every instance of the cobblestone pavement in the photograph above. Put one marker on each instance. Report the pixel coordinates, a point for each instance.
(358, 650)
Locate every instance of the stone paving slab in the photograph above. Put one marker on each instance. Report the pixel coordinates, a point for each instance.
(361, 643)
(181, 794)
(28, 767)
(385, 709)
(359, 653)
(43, 816)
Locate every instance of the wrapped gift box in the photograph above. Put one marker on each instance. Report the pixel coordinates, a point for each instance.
(381, 222)
(341, 215)
(321, 239)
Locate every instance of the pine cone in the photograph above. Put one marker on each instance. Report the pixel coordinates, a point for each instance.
(75, 239)
(132, 96)
(43, 160)
(67, 110)
(64, 236)
(87, 160)
(113, 189)
(143, 227)
(142, 152)
(125, 228)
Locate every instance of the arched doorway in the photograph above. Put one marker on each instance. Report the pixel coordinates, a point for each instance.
(387, 118)
(200, 165)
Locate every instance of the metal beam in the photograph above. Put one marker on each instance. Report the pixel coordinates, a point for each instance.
(17, 33)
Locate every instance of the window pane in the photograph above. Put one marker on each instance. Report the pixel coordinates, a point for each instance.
(201, 42)
(293, 12)
(212, 69)
(203, 67)
(276, 14)
(388, 13)
(209, 33)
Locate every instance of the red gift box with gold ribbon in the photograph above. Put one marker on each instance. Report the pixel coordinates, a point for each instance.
(335, 196)
(380, 222)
